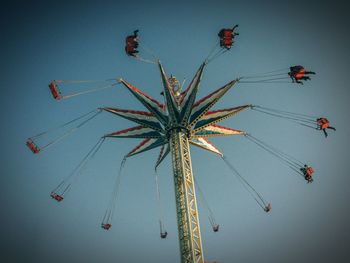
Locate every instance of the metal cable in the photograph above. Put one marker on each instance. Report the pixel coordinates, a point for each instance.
(250, 189)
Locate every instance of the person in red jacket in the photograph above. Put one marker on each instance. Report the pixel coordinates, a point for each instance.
(226, 36)
(298, 73)
(323, 124)
(307, 171)
(131, 44)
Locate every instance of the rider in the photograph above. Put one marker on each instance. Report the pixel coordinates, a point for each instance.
(132, 44)
(226, 36)
(298, 73)
(323, 124)
(307, 171)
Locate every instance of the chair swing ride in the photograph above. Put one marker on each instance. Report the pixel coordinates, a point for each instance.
(175, 125)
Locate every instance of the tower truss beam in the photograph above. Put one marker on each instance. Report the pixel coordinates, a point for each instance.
(186, 205)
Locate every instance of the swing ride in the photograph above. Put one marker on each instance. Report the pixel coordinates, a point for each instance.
(173, 126)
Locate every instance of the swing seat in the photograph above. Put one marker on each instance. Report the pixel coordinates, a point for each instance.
(54, 90)
(57, 197)
(216, 228)
(32, 146)
(106, 226)
(268, 208)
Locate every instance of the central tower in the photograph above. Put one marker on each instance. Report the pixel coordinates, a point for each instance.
(185, 197)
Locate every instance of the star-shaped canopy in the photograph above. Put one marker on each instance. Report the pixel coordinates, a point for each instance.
(180, 110)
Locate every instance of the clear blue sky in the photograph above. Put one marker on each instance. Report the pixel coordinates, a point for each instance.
(69, 40)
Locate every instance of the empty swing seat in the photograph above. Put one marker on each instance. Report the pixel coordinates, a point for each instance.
(163, 234)
(216, 228)
(57, 197)
(268, 208)
(32, 146)
(54, 90)
(106, 226)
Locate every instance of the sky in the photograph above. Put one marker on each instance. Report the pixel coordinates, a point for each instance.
(42, 41)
